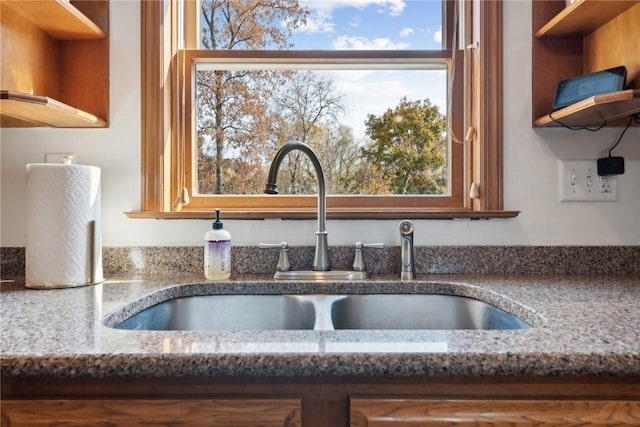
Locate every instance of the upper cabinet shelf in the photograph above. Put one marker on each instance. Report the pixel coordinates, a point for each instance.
(55, 63)
(595, 111)
(583, 16)
(584, 37)
(59, 18)
(44, 111)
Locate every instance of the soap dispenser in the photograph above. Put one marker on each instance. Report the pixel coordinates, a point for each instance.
(217, 251)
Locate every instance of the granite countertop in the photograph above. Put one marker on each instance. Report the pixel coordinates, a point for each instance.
(582, 325)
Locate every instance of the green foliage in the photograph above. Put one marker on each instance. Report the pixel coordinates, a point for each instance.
(408, 145)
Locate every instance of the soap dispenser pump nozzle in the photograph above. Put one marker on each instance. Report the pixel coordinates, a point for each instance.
(217, 224)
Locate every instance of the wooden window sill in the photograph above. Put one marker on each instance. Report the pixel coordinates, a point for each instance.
(382, 213)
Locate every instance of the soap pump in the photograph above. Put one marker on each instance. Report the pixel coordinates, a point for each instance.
(217, 251)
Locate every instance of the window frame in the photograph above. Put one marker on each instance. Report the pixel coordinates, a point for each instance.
(482, 165)
(351, 204)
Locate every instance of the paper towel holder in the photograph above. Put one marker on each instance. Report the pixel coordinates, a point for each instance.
(63, 204)
(92, 253)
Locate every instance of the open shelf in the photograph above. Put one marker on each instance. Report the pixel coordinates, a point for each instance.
(584, 37)
(59, 18)
(594, 111)
(582, 17)
(45, 111)
(55, 63)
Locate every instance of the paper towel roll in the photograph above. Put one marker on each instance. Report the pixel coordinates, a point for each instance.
(63, 210)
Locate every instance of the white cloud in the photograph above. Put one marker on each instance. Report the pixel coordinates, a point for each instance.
(363, 43)
(394, 7)
(317, 24)
(321, 19)
(370, 97)
(406, 32)
(437, 36)
(375, 91)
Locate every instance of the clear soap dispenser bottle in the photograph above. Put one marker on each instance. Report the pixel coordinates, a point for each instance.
(217, 251)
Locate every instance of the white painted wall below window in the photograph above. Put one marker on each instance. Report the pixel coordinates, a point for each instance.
(530, 172)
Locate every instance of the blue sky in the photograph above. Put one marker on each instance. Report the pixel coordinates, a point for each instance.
(381, 25)
(371, 24)
(378, 25)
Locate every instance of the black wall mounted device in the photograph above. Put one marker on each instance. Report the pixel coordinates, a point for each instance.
(611, 166)
(577, 88)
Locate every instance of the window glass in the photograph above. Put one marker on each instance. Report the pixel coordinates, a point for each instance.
(376, 131)
(321, 24)
(378, 126)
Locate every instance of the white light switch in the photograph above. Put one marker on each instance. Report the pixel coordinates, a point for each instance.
(579, 182)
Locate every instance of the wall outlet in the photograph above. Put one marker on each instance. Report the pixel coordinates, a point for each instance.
(579, 182)
(605, 184)
(58, 157)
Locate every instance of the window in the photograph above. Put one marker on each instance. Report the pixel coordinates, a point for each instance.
(183, 125)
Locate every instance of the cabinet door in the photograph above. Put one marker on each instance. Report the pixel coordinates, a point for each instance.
(153, 412)
(475, 413)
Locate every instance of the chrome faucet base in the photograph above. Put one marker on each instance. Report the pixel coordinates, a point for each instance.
(321, 275)
(321, 260)
(407, 275)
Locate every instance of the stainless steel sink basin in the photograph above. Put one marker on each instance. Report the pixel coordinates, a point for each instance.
(419, 312)
(322, 312)
(226, 312)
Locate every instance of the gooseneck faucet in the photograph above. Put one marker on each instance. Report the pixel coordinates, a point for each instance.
(321, 260)
(407, 270)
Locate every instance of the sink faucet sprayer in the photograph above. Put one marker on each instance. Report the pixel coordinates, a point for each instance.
(407, 270)
(321, 261)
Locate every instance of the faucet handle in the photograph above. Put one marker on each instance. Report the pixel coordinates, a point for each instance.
(358, 261)
(283, 260)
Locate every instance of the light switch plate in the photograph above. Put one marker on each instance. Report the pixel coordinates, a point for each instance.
(579, 182)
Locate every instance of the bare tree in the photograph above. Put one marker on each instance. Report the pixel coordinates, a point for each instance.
(233, 111)
(308, 105)
(341, 155)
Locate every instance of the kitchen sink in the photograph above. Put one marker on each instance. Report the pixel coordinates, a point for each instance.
(226, 312)
(419, 312)
(322, 312)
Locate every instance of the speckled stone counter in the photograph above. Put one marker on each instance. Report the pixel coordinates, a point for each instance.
(428, 259)
(583, 325)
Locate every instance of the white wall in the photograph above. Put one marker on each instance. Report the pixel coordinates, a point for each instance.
(530, 171)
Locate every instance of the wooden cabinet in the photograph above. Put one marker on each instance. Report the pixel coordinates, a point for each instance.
(521, 413)
(153, 412)
(323, 401)
(584, 37)
(55, 63)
